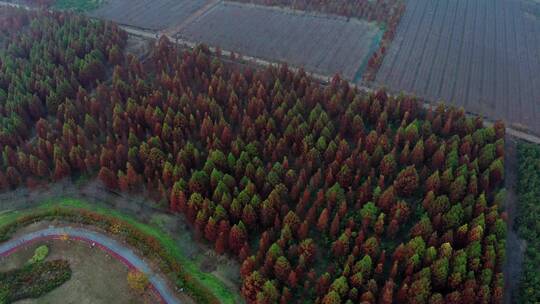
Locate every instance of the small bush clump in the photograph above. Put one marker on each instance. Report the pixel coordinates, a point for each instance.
(40, 254)
(33, 280)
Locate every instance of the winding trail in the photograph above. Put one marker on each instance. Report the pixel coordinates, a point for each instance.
(113, 247)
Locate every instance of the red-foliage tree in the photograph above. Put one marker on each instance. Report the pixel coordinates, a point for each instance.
(237, 237)
(322, 223)
(108, 178)
(407, 182)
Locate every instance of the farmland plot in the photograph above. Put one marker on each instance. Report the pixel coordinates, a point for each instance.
(482, 55)
(321, 44)
(148, 14)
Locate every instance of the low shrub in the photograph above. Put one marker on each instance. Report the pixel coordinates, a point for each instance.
(33, 280)
(39, 254)
(137, 281)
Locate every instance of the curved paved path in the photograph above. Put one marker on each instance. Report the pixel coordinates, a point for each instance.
(119, 251)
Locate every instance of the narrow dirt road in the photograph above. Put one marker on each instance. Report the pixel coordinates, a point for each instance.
(116, 249)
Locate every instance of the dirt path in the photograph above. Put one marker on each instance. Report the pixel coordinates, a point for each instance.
(120, 252)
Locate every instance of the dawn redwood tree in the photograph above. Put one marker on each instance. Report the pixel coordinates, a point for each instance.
(496, 171)
(387, 293)
(405, 155)
(209, 227)
(221, 243)
(174, 200)
(303, 230)
(248, 266)
(407, 182)
(251, 286)
(457, 189)
(447, 178)
(379, 224)
(4, 184)
(437, 161)
(237, 236)
(123, 184)
(108, 178)
(439, 271)
(334, 227)
(387, 199)
(433, 183)
(307, 250)
(322, 222)
(13, 177)
(388, 165)
(62, 170)
(417, 154)
(249, 217)
(282, 268)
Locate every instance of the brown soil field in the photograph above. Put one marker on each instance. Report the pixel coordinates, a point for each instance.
(319, 43)
(480, 55)
(148, 14)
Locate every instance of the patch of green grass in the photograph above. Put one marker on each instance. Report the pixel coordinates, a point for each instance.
(8, 216)
(211, 282)
(78, 5)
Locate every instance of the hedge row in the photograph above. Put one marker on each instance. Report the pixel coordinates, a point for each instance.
(33, 280)
(148, 245)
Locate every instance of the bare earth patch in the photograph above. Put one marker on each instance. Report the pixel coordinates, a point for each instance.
(97, 277)
(321, 44)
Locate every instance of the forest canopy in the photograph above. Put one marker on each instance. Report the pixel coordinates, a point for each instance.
(325, 193)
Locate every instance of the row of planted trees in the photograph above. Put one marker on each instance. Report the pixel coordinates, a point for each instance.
(325, 194)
